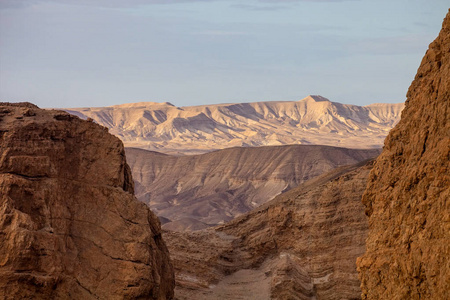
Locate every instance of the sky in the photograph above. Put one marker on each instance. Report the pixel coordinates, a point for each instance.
(67, 53)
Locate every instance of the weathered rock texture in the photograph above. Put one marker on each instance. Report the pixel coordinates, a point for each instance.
(70, 226)
(197, 191)
(166, 128)
(408, 194)
(301, 245)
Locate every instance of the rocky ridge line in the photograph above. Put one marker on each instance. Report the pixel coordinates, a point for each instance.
(198, 191)
(165, 128)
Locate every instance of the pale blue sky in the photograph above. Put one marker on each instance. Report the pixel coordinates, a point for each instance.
(64, 53)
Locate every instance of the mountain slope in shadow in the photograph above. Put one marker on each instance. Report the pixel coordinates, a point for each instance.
(198, 191)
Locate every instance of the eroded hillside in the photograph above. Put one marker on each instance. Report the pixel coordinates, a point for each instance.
(301, 245)
(197, 191)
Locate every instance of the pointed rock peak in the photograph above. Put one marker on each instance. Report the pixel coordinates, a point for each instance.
(315, 98)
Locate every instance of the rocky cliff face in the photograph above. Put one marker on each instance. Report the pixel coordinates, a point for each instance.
(301, 245)
(70, 226)
(166, 128)
(408, 194)
(197, 191)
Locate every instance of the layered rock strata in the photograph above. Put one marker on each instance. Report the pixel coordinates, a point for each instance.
(165, 128)
(301, 245)
(408, 194)
(70, 226)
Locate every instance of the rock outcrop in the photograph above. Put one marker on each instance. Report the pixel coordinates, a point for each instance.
(70, 225)
(301, 245)
(316, 120)
(408, 193)
(198, 191)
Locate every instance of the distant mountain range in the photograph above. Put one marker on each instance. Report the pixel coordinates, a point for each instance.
(166, 128)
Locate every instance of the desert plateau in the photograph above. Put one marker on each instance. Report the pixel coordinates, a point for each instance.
(165, 128)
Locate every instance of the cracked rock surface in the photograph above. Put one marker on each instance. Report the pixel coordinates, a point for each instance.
(408, 192)
(70, 225)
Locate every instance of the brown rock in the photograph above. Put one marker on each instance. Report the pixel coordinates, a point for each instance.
(407, 197)
(198, 191)
(70, 226)
(301, 245)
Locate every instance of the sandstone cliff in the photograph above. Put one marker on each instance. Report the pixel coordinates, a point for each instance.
(166, 128)
(70, 226)
(197, 191)
(408, 194)
(301, 245)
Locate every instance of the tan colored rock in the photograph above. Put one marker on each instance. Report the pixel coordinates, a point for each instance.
(198, 191)
(408, 194)
(165, 128)
(70, 226)
(301, 245)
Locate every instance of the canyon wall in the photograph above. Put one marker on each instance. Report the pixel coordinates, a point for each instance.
(301, 245)
(70, 225)
(408, 194)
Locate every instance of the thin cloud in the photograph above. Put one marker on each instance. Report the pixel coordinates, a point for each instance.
(389, 45)
(17, 4)
(250, 7)
(220, 33)
(294, 1)
(422, 24)
(264, 5)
